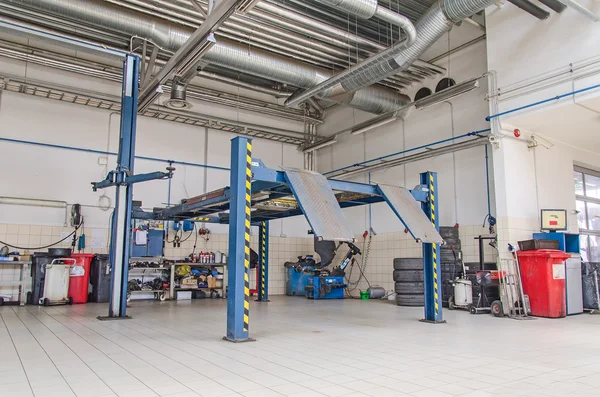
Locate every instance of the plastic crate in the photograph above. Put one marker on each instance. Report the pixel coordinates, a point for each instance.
(531, 245)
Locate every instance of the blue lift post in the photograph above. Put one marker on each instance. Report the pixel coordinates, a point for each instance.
(431, 254)
(238, 296)
(123, 179)
(121, 220)
(263, 288)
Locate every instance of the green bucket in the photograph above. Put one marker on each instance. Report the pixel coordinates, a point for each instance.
(364, 295)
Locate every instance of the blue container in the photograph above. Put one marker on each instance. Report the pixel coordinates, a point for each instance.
(567, 242)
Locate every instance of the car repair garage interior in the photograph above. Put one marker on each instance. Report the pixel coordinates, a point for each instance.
(302, 198)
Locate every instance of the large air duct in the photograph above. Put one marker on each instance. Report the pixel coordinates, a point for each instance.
(225, 53)
(368, 9)
(437, 21)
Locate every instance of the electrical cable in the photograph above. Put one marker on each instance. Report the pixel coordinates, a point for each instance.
(45, 246)
(189, 235)
(196, 232)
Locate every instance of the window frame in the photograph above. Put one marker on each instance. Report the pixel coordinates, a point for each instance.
(586, 199)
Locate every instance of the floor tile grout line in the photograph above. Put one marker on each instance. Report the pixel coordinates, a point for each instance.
(241, 375)
(46, 352)
(73, 351)
(294, 369)
(308, 362)
(265, 387)
(17, 353)
(100, 324)
(108, 357)
(194, 356)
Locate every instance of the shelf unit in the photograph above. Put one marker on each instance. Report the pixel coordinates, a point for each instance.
(138, 271)
(222, 288)
(24, 265)
(170, 265)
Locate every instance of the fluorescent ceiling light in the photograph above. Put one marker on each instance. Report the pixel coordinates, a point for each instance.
(360, 129)
(448, 93)
(320, 144)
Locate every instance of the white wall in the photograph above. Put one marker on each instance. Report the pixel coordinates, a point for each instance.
(57, 174)
(521, 47)
(461, 176)
(523, 50)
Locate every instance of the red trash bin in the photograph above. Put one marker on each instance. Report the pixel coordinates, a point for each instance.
(543, 278)
(80, 277)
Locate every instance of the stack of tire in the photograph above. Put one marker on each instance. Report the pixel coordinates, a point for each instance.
(408, 272)
(450, 260)
(408, 279)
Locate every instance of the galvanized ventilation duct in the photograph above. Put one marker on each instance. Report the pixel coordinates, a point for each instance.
(437, 21)
(224, 53)
(368, 9)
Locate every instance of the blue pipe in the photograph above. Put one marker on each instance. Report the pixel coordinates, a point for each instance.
(79, 149)
(556, 98)
(410, 150)
(487, 180)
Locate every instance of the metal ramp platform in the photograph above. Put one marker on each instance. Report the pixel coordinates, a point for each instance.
(408, 210)
(258, 194)
(319, 205)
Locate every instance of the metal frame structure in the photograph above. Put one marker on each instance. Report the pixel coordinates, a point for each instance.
(244, 203)
(123, 179)
(431, 253)
(263, 269)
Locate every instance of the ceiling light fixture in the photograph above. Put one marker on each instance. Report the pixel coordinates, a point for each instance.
(447, 94)
(359, 129)
(320, 144)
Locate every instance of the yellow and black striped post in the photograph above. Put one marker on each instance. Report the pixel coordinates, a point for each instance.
(431, 254)
(263, 289)
(238, 297)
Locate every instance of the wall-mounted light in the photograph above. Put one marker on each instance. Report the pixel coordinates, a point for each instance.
(447, 94)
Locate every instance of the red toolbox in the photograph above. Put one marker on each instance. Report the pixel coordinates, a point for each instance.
(543, 278)
(80, 277)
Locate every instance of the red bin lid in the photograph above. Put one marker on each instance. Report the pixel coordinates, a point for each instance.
(546, 253)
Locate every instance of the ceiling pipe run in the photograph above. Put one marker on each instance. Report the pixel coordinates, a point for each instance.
(437, 21)
(225, 53)
(554, 5)
(367, 9)
(531, 8)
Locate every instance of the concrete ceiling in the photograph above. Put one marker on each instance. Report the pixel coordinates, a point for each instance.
(577, 124)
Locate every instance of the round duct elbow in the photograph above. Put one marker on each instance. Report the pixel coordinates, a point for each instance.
(457, 10)
(178, 99)
(377, 100)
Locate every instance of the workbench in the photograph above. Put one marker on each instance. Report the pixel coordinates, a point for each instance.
(24, 270)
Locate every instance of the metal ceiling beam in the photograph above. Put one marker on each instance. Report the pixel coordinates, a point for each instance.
(188, 54)
(97, 100)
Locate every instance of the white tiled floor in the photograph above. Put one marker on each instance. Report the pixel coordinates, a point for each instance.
(303, 348)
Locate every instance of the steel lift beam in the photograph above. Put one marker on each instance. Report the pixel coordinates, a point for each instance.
(252, 186)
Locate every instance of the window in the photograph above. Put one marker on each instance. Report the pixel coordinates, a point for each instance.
(587, 191)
